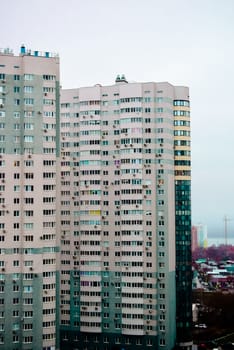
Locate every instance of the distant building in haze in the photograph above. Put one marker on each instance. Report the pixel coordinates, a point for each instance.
(201, 235)
(194, 238)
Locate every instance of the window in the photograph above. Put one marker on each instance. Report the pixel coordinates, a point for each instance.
(48, 77)
(29, 101)
(16, 225)
(181, 103)
(29, 114)
(28, 212)
(162, 342)
(28, 76)
(162, 306)
(28, 289)
(28, 313)
(28, 339)
(28, 163)
(16, 150)
(29, 200)
(16, 114)
(28, 89)
(28, 238)
(28, 301)
(29, 175)
(29, 188)
(138, 341)
(149, 342)
(15, 288)
(16, 89)
(15, 339)
(28, 225)
(28, 126)
(17, 126)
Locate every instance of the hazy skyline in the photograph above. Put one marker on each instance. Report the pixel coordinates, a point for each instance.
(184, 42)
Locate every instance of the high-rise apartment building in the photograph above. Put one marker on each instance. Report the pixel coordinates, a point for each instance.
(125, 217)
(95, 236)
(29, 243)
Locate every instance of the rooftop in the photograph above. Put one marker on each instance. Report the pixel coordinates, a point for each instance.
(6, 51)
(28, 52)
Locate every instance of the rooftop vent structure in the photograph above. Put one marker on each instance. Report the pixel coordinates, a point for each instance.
(121, 79)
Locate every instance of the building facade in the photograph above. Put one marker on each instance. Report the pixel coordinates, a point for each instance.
(96, 234)
(125, 217)
(29, 151)
(183, 227)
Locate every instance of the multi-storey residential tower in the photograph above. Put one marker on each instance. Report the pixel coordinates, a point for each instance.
(125, 211)
(125, 217)
(29, 148)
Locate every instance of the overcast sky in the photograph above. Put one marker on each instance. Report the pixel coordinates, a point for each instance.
(185, 42)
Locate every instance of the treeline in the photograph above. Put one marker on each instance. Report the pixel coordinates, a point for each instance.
(216, 253)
